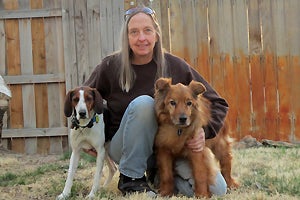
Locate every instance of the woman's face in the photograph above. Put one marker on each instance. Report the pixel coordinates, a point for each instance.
(141, 37)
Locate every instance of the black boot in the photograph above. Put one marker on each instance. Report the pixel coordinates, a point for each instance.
(129, 185)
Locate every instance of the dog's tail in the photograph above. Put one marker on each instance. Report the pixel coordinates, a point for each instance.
(225, 132)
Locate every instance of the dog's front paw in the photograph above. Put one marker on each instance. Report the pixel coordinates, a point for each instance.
(232, 183)
(166, 191)
(62, 196)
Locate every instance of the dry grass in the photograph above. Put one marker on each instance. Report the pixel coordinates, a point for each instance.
(264, 173)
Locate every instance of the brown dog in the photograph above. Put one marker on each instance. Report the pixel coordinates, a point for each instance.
(182, 112)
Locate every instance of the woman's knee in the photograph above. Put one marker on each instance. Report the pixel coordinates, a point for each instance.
(142, 106)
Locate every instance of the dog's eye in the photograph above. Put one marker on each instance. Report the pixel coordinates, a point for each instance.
(88, 99)
(173, 103)
(189, 103)
(76, 99)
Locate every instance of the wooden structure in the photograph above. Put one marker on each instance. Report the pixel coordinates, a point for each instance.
(248, 50)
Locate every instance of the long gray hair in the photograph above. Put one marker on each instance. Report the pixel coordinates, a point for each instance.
(127, 74)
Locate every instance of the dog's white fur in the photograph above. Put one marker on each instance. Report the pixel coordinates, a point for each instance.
(82, 137)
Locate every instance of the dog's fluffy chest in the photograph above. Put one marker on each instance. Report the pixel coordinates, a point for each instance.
(168, 135)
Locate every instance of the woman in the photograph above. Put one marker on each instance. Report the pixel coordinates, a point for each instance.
(126, 80)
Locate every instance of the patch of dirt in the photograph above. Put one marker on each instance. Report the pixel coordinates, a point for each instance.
(21, 162)
(46, 186)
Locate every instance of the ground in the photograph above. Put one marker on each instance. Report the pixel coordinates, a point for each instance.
(264, 173)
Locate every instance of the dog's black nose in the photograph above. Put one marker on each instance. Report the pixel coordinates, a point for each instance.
(182, 119)
(82, 114)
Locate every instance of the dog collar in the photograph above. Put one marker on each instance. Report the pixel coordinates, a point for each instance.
(76, 125)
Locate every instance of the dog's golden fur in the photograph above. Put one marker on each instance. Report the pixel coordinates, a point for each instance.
(182, 112)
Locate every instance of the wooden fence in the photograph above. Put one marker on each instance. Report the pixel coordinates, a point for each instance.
(247, 49)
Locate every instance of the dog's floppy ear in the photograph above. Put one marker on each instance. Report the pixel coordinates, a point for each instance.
(197, 87)
(98, 101)
(68, 109)
(162, 84)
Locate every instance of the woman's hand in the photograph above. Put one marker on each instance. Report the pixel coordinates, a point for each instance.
(197, 143)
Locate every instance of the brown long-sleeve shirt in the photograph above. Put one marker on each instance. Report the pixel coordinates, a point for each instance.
(106, 79)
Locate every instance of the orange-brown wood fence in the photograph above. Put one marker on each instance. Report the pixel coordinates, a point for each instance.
(247, 49)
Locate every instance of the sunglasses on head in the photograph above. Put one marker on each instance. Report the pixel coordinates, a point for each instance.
(134, 10)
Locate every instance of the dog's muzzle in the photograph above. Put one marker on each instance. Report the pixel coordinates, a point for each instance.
(182, 120)
(82, 114)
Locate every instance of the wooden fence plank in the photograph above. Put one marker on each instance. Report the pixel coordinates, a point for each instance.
(27, 69)
(293, 33)
(35, 132)
(202, 65)
(283, 69)
(61, 69)
(13, 66)
(190, 48)
(51, 49)
(61, 89)
(37, 13)
(24, 5)
(176, 28)
(18, 145)
(65, 144)
(2, 49)
(43, 145)
(270, 76)
(257, 71)
(33, 79)
(54, 62)
(241, 65)
(162, 12)
(230, 89)
(62, 94)
(94, 28)
(225, 33)
(30, 145)
(117, 20)
(3, 67)
(106, 36)
(56, 145)
(70, 61)
(81, 29)
(214, 20)
(69, 44)
(39, 67)
(295, 96)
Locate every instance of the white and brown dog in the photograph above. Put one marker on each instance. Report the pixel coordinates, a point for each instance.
(85, 104)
